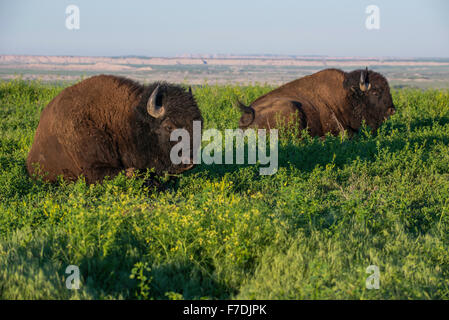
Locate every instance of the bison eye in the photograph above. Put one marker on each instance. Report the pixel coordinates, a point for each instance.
(168, 125)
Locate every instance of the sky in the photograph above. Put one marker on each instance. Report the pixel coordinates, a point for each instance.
(410, 28)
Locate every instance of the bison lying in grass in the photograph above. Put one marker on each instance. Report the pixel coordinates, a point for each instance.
(107, 124)
(329, 101)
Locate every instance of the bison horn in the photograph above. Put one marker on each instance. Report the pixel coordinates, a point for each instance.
(364, 84)
(153, 109)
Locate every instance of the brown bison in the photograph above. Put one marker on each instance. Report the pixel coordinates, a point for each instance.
(327, 101)
(107, 124)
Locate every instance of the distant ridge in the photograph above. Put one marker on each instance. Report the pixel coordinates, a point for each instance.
(217, 59)
(222, 68)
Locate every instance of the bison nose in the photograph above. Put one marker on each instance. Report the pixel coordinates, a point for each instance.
(184, 167)
(187, 163)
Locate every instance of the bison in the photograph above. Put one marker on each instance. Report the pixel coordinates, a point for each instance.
(329, 101)
(107, 124)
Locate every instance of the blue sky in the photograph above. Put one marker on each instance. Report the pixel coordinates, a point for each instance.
(170, 27)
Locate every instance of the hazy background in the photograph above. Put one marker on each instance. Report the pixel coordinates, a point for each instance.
(174, 27)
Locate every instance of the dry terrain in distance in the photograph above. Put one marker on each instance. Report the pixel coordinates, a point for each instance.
(222, 69)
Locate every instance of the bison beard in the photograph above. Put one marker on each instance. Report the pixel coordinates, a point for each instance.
(105, 125)
(329, 101)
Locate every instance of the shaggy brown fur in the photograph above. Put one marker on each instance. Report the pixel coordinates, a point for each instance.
(328, 101)
(101, 126)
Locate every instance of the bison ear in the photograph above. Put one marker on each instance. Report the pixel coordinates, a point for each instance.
(247, 116)
(364, 83)
(154, 104)
(190, 90)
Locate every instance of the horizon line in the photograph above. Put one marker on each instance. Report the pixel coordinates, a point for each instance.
(236, 55)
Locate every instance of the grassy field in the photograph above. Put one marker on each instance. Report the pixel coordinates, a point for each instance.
(310, 231)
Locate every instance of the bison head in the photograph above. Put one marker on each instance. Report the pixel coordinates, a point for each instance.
(369, 95)
(164, 108)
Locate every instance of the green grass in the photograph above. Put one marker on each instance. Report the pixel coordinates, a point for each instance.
(310, 231)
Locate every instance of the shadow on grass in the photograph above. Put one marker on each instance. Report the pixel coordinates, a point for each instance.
(109, 274)
(188, 279)
(316, 152)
